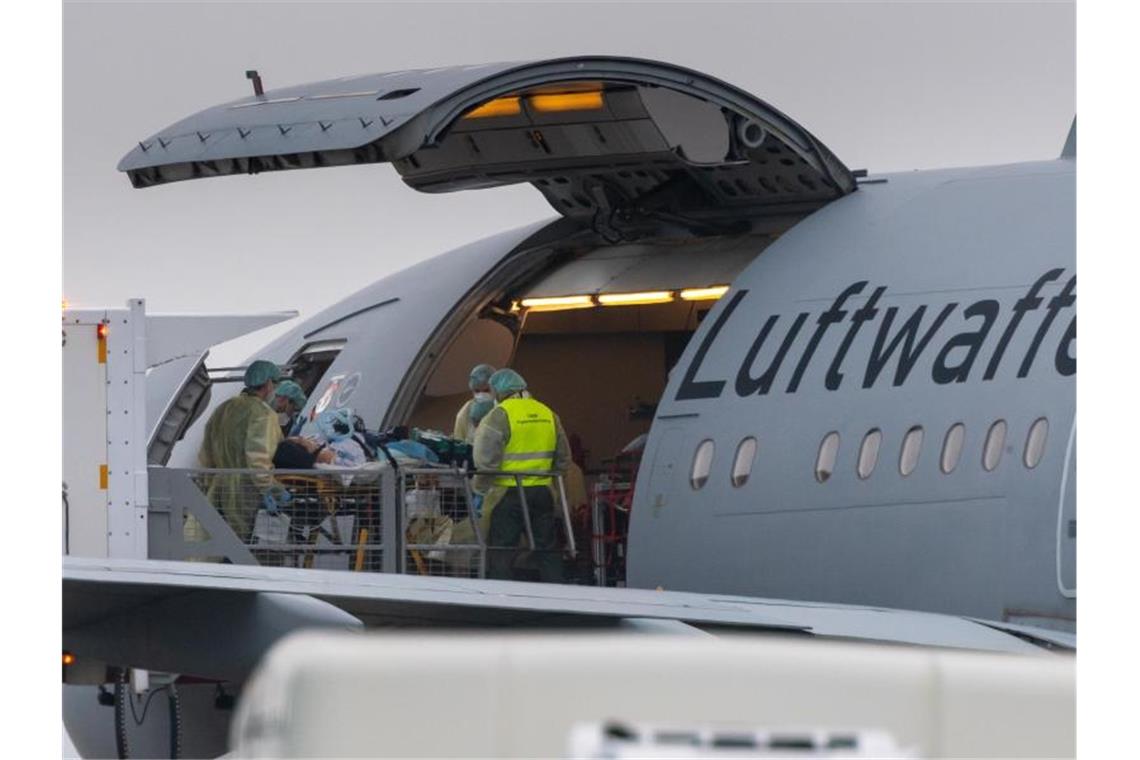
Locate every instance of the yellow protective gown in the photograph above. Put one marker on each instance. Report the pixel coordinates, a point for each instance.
(241, 434)
(464, 430)
(576, 493)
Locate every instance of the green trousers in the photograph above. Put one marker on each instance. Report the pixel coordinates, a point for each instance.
(508, 529)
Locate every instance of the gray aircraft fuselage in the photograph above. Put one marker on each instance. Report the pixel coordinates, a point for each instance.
(933, 299)
(902, 351)
(929, 300)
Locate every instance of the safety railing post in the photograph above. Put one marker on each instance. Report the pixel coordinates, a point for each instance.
(474, 520)
(566, 516)
(392, 556)
(525, 511)
(160, 534)
(598, 541)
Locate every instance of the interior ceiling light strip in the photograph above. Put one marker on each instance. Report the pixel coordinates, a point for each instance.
(704, 294)
(635, 299)
(508, 106)
(557, 303)
(560, 303)
(567, 101)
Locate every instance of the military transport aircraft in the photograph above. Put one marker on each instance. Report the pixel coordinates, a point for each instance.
(857, 389)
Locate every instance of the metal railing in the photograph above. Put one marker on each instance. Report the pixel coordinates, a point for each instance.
(325, 519)
(418, 519)
(563, 506)
(441, 528)
(444, 532)
(609, 520)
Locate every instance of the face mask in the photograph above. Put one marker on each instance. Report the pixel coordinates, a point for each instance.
(282, 419)
(483, 396)
(479, 409)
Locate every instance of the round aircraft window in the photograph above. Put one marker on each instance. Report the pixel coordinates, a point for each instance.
(869, 453)
(952, 447)
(742, 464)
(912, 445)
(702, 464)
(995, 442)
(1035, 443)
(825, 461)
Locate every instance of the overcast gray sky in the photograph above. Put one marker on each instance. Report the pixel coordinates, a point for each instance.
(887, 86)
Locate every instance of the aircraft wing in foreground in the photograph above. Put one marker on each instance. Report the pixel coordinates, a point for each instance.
(165, 615)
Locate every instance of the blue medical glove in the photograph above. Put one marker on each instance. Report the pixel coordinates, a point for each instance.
(268, 503)
(275, 498)
(477, 504)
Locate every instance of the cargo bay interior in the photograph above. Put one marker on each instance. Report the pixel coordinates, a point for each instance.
(694, 181)
(598, 336)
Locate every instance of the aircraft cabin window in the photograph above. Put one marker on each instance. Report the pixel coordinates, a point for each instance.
(952, 447)
(912, 445)
(309, 364)
(742, 465)
(869, 453)
(702, 464)
(825, 461)
(1035, 443)
(995, 442)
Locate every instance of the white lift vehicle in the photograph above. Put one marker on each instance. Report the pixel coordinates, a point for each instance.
(132, 383)
(612, 696)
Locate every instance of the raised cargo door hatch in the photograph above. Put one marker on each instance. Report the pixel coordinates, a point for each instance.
(596, 135)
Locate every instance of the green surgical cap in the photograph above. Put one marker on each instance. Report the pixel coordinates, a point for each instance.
(261, 372)
(479, 376)
(505, 382)
(290, 390)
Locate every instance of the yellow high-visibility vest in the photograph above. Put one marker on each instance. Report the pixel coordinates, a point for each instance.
(534, 438)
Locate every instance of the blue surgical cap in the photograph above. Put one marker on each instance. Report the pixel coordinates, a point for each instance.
(290, 390)
(261, 372)
(505, 382)
(479, 376)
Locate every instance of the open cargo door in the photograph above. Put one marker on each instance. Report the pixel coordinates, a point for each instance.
(604, 139)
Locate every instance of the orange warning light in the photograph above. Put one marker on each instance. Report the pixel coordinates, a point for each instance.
(568, 101)
(507, 106)
(101, 343)
(68, 658)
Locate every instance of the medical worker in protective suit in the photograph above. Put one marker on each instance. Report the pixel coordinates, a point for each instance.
(520, 434)
(477, 406)
(243, 434)
(288, 400)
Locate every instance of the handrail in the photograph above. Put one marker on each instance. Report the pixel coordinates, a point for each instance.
(461, 476)
(225, 513)
(557, 476)
(376, 495)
